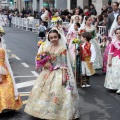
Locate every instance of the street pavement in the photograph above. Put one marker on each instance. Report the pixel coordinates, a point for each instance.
(96, 102)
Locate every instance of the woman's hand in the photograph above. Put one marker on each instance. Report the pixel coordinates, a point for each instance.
(91, 63)
(64, 80)
(48, 65)
(110, 64)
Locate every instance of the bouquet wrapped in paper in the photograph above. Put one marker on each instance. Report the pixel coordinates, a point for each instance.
(76, 41)
(42, 58)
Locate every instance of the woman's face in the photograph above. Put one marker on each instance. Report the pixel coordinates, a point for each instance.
(89, 21)
(118, 34)
(91, 6)
(104, 7)
(77, 12)
(83, 39)
(118, 20)
(75, 27)
(77, 19)
(53, 37)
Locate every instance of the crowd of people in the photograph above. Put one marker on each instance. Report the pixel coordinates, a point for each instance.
(67, 58)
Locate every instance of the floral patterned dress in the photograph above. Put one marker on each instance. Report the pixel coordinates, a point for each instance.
(7, 97)
(50, 99)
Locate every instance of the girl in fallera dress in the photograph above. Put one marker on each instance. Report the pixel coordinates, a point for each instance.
(88, 55)
(87, 25)
(72, 35)
(54, 95)
(77, 20)
(112, 79)
(112, 37)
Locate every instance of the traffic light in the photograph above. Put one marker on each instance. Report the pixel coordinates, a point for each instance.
(11, 2)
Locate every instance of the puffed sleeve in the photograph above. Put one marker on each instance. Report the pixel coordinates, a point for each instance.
(93, 53)
(112, 48)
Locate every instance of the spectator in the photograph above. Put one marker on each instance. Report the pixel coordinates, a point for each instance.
(86, 12)
(93, 10)
(23, 13)
(67, 19)
(40, 13)
(112, 16)
(10, 19)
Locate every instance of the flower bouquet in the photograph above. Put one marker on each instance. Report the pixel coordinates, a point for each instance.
(76, 41)
(56, 19)
(42, 58)
(81, 31)
(39, 43)
(2, 32)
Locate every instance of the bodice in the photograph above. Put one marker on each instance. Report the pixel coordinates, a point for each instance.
(59, 58)
(2, 56)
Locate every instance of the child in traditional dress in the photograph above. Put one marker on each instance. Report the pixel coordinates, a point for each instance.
(54, 95)
(88, 56)
(112, 80)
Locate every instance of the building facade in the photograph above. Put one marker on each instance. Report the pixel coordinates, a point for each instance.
(19, 4)
(59, 4)
(69, 4)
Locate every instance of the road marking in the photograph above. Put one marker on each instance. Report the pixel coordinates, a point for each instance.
(24, 92)
(25, 101)
(8, 50)
(25, 65)
(25, 84)
(34, 73)
(22, 95)
(24, 76)
(13, 55)
(17, 58)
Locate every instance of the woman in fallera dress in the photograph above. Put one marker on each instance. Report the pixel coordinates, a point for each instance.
(87, 25)
(54, 95)
(9, 97)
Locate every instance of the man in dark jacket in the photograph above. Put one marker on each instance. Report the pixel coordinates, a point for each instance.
(112, 16)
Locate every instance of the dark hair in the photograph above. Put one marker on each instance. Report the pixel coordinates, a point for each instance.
(48, 29)
(78, 24)
(0, 39)
(54, 31)
(100, 18)
(117, 17)
(87, 35)
(76, 17)
(87, 17)
(92, 5)
(109, 3)
(117, 29)
(116, 3)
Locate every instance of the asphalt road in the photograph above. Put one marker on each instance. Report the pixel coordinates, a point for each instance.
(96, 102)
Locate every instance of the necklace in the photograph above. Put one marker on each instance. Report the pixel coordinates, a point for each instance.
(55, 48)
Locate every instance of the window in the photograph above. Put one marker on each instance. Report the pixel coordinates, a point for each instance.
(73, 4)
